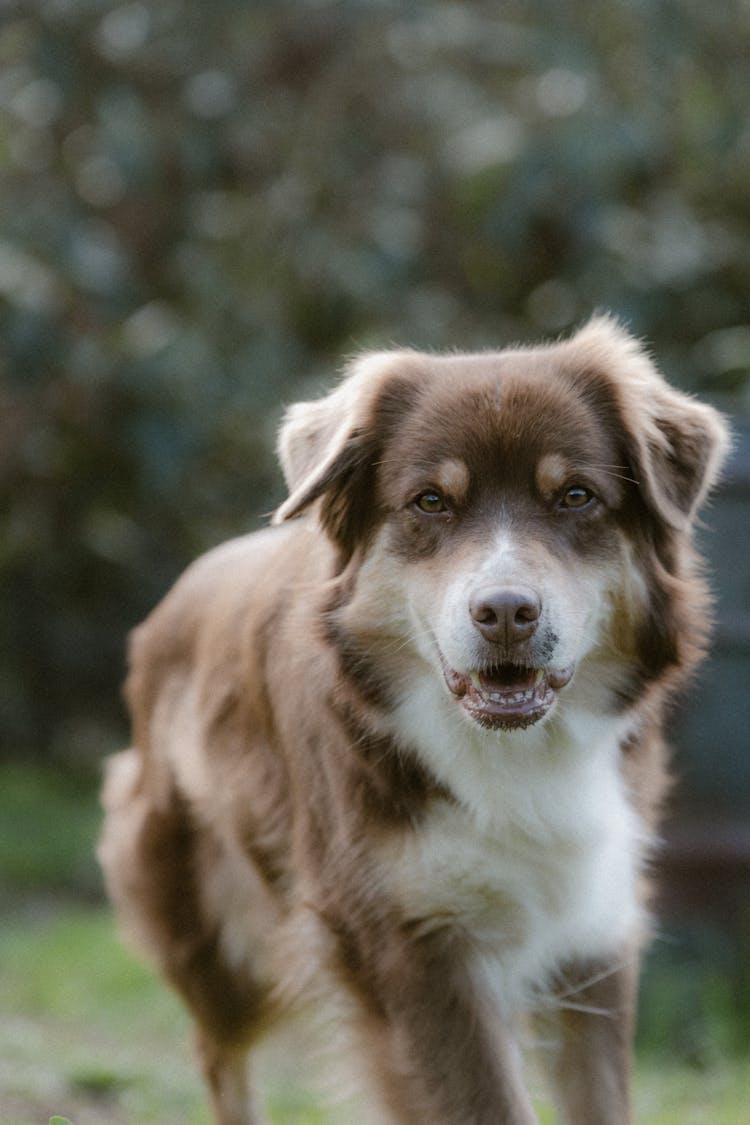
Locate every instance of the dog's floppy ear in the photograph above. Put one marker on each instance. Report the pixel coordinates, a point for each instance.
(329, 448)
(679, 467)
(676, 445)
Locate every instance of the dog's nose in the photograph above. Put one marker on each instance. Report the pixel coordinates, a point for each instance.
(505, 615)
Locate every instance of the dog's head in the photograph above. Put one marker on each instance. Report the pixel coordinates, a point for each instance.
(513, 518)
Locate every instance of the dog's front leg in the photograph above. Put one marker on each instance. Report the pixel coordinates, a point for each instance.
(593, 1064)
(225, 1070)
(436, 1050)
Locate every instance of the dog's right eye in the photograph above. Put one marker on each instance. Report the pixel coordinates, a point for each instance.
(577, 497)
(430, 502)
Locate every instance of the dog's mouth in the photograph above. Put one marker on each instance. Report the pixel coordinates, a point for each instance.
(507, 696)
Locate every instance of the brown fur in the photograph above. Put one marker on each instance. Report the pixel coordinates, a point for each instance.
(284, 826)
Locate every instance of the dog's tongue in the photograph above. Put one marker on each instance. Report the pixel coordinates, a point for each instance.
(507, 696)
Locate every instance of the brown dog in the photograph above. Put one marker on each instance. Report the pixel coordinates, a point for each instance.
(405, 746)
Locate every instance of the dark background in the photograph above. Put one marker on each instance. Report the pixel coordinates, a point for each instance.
(205, 206)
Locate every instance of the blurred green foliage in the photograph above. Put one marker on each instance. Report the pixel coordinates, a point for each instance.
(205, 204)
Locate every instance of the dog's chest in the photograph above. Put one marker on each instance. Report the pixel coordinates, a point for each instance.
(548, 881)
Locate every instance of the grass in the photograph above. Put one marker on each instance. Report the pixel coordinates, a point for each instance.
(89, 1034)
(93, 1036)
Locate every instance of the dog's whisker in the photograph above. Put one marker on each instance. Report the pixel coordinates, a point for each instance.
(588, 1009)
(607, 470)
(579, 986)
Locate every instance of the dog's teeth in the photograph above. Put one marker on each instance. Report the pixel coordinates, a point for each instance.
(506, 697)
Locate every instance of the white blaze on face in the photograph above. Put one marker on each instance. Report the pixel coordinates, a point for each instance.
(573, 598)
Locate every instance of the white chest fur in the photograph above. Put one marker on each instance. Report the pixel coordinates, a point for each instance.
(538, 861)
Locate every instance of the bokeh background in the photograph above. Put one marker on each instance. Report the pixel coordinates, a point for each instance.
(206, 205)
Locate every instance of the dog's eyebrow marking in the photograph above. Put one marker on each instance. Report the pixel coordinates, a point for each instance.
(552, 471)
(453, 475)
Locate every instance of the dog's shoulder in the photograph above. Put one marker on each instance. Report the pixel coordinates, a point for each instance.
(210, 624)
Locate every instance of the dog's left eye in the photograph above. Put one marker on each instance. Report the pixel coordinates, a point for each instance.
(576, 497)
(430, 502)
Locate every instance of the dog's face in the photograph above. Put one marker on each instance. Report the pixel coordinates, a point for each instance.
(502, 505)
(511, 518)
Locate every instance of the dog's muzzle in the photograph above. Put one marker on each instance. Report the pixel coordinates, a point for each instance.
(506, 696)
